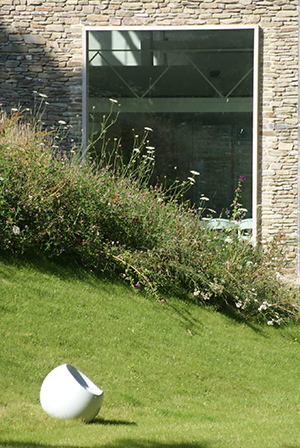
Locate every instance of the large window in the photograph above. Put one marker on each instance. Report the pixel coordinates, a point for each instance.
(196, 88)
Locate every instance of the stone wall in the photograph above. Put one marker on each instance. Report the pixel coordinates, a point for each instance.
(41, 50)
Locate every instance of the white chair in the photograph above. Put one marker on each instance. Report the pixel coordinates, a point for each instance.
(220, 224)
(245, 228)
(67, 393)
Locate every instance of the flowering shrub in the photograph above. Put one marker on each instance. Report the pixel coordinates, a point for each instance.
(107, 217)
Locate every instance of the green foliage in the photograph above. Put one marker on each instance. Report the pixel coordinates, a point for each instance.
(104, 214)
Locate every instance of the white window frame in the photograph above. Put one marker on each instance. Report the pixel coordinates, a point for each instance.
(255, 95)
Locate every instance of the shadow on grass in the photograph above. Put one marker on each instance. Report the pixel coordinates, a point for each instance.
(195, 325)
(102, 421)
(64, 268)
(123, 443)
(233, 315)
(67, 268)
(291, 446)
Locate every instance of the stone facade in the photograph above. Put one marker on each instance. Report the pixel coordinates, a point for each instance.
(41, 50)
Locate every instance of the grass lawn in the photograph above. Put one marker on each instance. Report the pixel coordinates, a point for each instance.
(174, 375)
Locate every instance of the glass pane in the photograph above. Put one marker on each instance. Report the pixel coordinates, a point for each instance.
(194, 89)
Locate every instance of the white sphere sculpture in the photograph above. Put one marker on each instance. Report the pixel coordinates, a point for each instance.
(68, 393)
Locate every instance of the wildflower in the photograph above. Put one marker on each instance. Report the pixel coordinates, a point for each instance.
(62, 122)
(192, 180)
(205, 296)
(150, 148)
(16, 230)
(196, 292)
(115, 198)
(136, 150)
(1, 178)
(148, 129)
(204, 198)
(195, 173)
(137, 285)
(270, 322)
(262, 307)
(42, 95)
(242, 178)
(113, 101)
(238, 304)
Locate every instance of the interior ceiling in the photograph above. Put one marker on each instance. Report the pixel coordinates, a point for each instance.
(178, 81)
(172, 64)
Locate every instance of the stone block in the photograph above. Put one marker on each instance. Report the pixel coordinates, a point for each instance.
(97, 18)
(287, 13)
(208, 5)
(56, 28)
(12, 64)
(123, 13)
(3, 38)
(15, 37)
(35, 68)
(36, 39)
(88, 9)
(286, 146)
(44, 8)
(136, 6)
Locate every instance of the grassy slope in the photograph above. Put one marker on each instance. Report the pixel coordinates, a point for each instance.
(174, 375)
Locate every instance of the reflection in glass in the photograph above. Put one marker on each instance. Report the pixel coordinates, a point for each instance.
(194, 88)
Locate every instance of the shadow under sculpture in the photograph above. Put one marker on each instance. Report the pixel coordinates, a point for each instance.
(67, 393)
